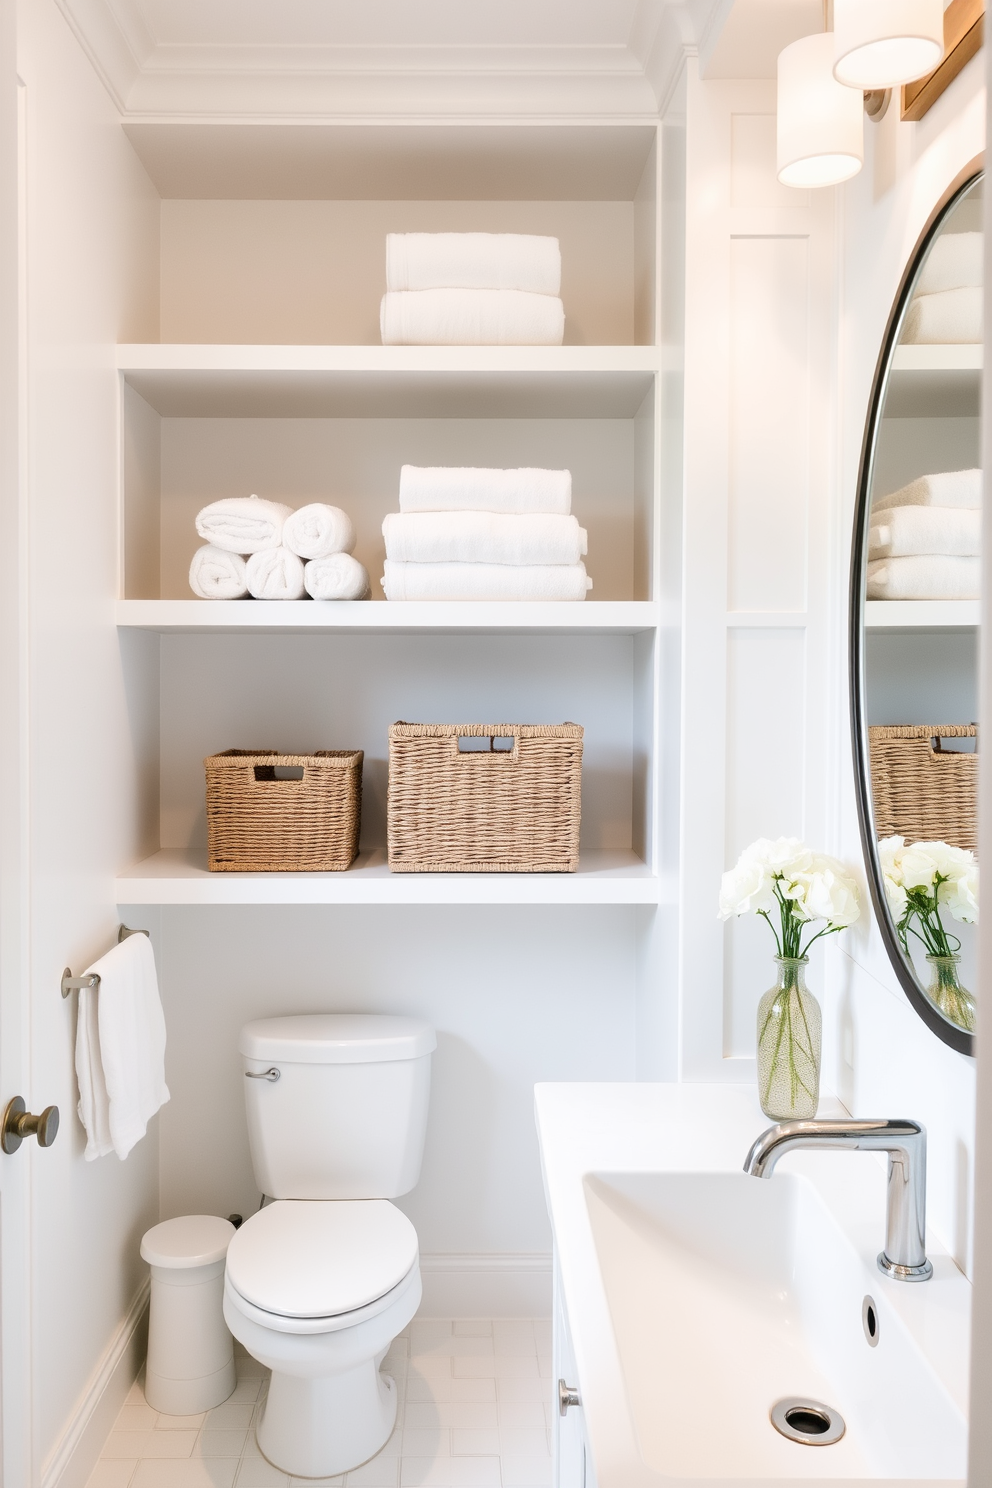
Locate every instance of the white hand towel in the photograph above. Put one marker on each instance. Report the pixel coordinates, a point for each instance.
(904, 530)
(276, 574)
(316, 531)
(470, 317)
(922, 577)
(962, 488)
(482, 537)
(464, 488)
(473, 261)
(216, 574)
(951, 318)
(338, 576)
(120, 1049)
(485, 581)
(955, 261)
(242, 524)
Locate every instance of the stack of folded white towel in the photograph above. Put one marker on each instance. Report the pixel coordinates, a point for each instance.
(946, 308)
(484, 534)
(269, 551)
(472, 289)
(925, 540)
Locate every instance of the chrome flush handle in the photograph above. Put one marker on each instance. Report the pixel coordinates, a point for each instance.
(269, 1074)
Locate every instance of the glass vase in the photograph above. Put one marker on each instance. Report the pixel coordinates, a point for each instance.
(946, 992)
(789, 1025)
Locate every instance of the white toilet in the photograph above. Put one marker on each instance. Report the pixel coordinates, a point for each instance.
(321, 1281)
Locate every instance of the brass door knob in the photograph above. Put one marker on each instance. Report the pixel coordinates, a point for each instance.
(18, 1123)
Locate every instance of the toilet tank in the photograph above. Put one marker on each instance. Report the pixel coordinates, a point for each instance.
(336, 1103)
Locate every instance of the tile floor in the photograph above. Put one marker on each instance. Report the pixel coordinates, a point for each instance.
(474, 1412)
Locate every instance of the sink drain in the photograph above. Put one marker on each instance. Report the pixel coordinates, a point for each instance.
(808, 1422)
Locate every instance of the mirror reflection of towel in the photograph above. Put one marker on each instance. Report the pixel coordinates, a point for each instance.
(925, 577)
(951, 318)
(904, 530)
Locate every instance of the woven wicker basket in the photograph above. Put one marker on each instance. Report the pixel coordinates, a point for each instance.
(258, 823)
(496, 810)
(920, 791)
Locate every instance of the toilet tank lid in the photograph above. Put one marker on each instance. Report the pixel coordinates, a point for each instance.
(337, 1038)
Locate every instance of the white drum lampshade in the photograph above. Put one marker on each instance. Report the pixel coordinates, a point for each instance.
(821, 129)
(882, 43)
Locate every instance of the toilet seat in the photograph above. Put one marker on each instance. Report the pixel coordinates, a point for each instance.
(343, 1320)
(302, 1262)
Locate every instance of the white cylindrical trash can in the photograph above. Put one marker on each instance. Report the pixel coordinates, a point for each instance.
(190, 1351)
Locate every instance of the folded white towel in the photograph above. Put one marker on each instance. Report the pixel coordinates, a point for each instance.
(951, 318)
(904, 530)
(338, 576)
(216, 574)
(961, 488)
(453, 488)
(470, 317)
(120, 1049)
(473, 261)
(920, 577)
(242, 524)
(485, 581)
(482, 537)
(316, 531)
(276, 574)
(955, 261)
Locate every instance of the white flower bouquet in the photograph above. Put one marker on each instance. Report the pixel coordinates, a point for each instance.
(785, 881)
(922, 879)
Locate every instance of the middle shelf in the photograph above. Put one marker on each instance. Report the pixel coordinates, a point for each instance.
(195, 616)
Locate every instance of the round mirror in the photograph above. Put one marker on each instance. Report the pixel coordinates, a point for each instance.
(915, 587)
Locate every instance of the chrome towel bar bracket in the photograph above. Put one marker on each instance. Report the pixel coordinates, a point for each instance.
(70, 983)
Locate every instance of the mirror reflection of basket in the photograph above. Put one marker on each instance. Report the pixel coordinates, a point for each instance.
(921, 791)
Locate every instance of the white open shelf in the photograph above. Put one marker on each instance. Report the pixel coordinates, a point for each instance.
(618, 617)
(210, 381)
(922, 614)
(602, 878)
(934, 382)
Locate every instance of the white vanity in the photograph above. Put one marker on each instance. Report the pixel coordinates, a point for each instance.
(691, 1298)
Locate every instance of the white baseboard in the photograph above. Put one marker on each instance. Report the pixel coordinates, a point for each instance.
(75, 1454)
(486, 1285)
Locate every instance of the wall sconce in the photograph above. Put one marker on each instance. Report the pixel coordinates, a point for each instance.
(882, 43)
(820, 123)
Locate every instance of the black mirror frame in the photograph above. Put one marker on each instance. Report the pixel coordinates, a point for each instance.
(957, 1038)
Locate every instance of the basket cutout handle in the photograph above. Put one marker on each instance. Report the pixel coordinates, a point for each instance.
(938, 751)
(469, 745)
(281, 774)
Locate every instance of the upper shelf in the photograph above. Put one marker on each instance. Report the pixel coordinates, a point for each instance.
(935, 382)
(922, 614)
(171, 616)
(210, 381)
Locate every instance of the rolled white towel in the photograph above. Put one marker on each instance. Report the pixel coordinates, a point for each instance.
(473, 261)
(338, 576)
(925, 577)
(482, 537)
(242, 524)
(951, 318)
(316, 531)
(216, 574)
(426, 488)
(962, 488)
(485, 581)
(275, 574)
(955, 261)
(901, 531)
(470, 317)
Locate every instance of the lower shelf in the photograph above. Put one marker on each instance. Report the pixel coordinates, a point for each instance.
(922, 614)
(602, 878)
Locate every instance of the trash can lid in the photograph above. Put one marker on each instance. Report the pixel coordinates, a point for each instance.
(193, 1240)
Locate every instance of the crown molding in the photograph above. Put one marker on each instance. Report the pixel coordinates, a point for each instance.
(149, 79)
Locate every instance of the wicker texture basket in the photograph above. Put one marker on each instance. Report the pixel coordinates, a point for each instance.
(257, 823)
(490, 811)
(920, 791)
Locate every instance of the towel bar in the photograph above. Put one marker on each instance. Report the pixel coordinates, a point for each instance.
(75, 984)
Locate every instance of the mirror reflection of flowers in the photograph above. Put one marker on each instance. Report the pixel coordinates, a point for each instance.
(803, 896)
(922, 880)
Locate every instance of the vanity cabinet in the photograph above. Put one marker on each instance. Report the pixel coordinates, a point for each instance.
(573, 1465)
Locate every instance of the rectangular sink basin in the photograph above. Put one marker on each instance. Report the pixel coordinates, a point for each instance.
(728, 1293)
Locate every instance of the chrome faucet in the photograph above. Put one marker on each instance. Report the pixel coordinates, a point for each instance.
(904, 1257)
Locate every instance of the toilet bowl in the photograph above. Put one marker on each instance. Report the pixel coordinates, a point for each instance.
(321, 1280)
